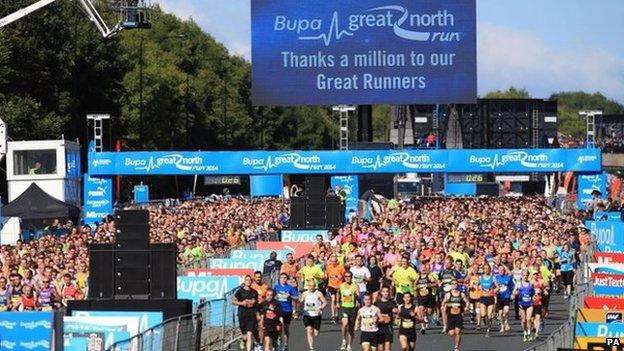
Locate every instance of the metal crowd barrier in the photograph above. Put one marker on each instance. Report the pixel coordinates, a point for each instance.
(176, 334)
(563, 337)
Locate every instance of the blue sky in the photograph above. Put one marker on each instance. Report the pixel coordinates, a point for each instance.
(541, 45)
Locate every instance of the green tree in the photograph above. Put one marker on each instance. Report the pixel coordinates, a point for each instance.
(511, 93)
(570, 103)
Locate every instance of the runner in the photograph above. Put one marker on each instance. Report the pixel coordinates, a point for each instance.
(367, 320)
(286, 295)
(505, 284)
(474, 293)
(376, 273)
(47, 295)
(524, 294)
(403, 278)
(259, 286)
(447, 279)
(407, 323)
(246, 299)
(313, 304)
(15, 291)
(5, 295)
(454, 303)
(540, 290)
(361, 275)
(517, 274)
(347, 295)
(270, 321)
(388, 309)
(426, 283)
(567, 260)
(311, 271)
(335, 274)
(488, 299)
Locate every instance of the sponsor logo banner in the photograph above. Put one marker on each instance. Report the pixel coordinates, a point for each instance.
(609, 257)
(597, 344)
(607, 268)
(250, 263)
(96, 331)
(302, 235)
(98, 198)
(599, 315)
(202, 272)
(343, 162)
(607, 303)
(609, 235)
(587, 183)
(608, 284)
(26, 330)
(262, 255)
(363, 52)
(143, 320)
(299, 248)
(206, 288)
(141, 194)
(600, 330)
(349, 184)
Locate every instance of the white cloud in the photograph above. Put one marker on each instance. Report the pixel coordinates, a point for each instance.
(509, 57)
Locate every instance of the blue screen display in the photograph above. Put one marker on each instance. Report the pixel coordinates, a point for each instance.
(363, 52)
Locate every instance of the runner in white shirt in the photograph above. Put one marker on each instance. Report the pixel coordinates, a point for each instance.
(361, 276)
(313, 304)
(367, 320)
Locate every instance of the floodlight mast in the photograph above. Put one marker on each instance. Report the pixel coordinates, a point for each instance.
(89, 9)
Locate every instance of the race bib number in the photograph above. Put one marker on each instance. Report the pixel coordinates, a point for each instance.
(424, 292)
(503, 288)
(407, 323)
(46, 308)
(310, 307)
(447, 288)
(3, 308)
(526, 298)
(405, 287)
(282, 296)
(368, 322)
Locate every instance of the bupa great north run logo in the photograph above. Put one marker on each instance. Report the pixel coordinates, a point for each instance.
(523, 158)
(404, 159)
(311, 162)
(178, 161)
(587, 158)
(397, 19)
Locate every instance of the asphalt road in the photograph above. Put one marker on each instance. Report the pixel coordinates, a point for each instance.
(434, 340)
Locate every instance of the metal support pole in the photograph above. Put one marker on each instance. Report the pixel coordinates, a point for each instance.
(436, 125)
(141, 94)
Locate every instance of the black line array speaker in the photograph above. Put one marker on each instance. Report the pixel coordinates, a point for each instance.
(126, 217)
(163, 271)
(315, 188)
(315, 214)
(490, 189)
(334, 212)
(297, 212)
(101, 271)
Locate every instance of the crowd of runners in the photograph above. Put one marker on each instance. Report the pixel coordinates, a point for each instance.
(418, 264)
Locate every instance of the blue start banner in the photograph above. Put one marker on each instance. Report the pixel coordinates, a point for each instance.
(587, 184)
(98, 198)
(329, 52)
(350, 185)
(26, 330)
(344, 162)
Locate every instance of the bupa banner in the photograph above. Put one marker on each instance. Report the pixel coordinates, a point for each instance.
(26, 331)
(348, 183)
(609, 235)
(587, 184)
(608, 257)
(206, 288)
(252, 263)
(608, 284)
(95, 331)
(98, 198)
(138, 321)
(607, 268)
(363, 52)
(599, 315)
(299, 248)
(262, 255)
(605, 303)
(600, 330)
(202, 272)
(343, 162)
(302, 235)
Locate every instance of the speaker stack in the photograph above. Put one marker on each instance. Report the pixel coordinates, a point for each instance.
(132, 268)
(315, 209)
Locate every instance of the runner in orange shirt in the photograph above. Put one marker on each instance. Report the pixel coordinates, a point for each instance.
(335, 274)
(259, 286)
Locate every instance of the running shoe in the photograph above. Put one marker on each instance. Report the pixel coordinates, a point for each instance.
(349, 348)
(525, 338)
(487, 333)
(423, 331)
(507, 327)
(444, 329)
(502, 327)
(343, 346)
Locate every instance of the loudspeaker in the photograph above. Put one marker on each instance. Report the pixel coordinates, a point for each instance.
(315, 187)
(163, 271)
(101, 271)
(333, 212)
(135, 288)
(131, 258)
(129, 217)
(132, 273)
(297, 212)
(132, 236)
(315, 214)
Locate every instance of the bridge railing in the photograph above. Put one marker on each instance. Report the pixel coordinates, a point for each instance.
(563, 337)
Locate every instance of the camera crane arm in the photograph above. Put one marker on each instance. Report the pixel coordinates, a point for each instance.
(85, 5)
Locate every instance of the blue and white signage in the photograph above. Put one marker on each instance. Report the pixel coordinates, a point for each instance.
(26, 330)
(236, 263)
(103, 331)
(600, 330)
(143, 319)
(328, 52)
(206, 288)
(141, 194)
(98, 198)
(306, 235)
(609, 235)
(587, 184)
(262, 255)
(344, 162)
(348, 183)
